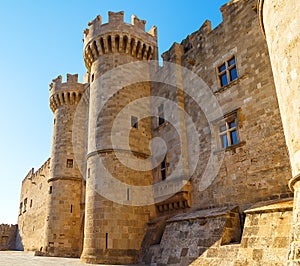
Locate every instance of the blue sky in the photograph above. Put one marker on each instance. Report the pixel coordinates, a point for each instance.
(43, 39)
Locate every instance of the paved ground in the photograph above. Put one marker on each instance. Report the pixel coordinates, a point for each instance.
(18, 258)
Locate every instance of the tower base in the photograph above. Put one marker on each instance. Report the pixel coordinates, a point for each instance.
(111, 256)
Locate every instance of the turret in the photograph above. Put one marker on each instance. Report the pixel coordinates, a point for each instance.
(65, 94)
(65, 216)
(118, 37)
(116, 224)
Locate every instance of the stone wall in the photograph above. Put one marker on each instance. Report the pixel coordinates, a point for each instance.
(168, 124)
(8, 235)
(281, 24)
(187, 236)
(33, 205)
(257, 167)
(213, 237)
(265, 239)
(202, 222)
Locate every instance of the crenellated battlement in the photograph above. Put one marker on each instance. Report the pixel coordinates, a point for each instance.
(138, 22)
(200, 39)
(68, 92)
(33, 174)
(233, 7)
(4, 227)
(115, 19)
(117, 36)
(29, 175)
(57, 83)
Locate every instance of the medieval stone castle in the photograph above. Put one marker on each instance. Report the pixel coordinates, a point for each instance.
(193, 162)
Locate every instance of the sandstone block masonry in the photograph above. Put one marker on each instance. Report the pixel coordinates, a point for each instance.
(33, 207)
(8, 235)
(281, 25)
(238, 215)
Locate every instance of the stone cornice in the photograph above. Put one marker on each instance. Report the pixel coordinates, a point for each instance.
(65, 178)
(104, 151)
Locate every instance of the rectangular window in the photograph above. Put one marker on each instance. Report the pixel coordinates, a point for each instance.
(134, 122)
(227, 72)
(163, 169)
(20, 209)
(69, 163)
(30, 203)
(50, 190)
(228, 131)
(161, 115)
(25, 204)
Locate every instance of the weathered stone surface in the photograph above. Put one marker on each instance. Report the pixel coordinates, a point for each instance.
(266, 245)
(67, 205)
(8, 234)
(33, 215)
(281, 24)
(187, 236)
(116, 229)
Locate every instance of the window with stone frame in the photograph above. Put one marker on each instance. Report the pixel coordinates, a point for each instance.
(227, 72)
(69, 163)
(227, 130)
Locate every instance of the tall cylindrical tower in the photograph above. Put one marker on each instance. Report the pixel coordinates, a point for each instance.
(63, 231)
(115, 225)
(280, 22)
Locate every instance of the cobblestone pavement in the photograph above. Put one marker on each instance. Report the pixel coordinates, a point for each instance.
(17, 258)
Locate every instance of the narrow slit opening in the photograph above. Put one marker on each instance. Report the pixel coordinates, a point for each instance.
(106, 241)
(102, 45)
(109, 44)
(125, 43)
(117, 42)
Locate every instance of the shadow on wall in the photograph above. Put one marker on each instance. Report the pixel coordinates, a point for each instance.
(224, 236)
(18, 241)
(183, 238)
(10, 238)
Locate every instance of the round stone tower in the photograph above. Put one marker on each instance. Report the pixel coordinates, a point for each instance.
(63, 231)
(280, 22)
(115, 225)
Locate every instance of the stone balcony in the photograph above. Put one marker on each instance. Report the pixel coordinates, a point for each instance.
(172, 194)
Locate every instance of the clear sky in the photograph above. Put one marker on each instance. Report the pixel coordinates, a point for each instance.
(43, 39)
